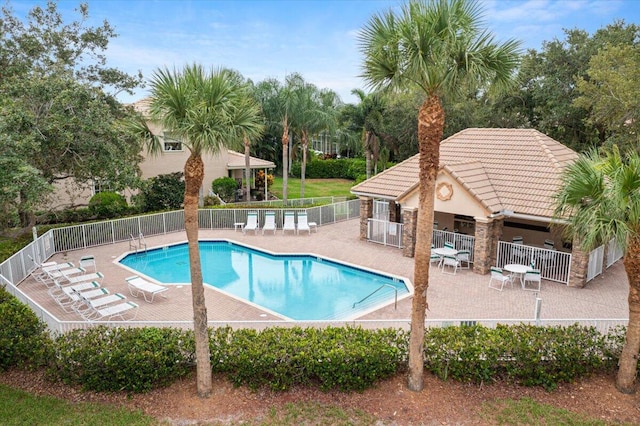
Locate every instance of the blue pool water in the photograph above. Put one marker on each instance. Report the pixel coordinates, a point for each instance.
(299, 287)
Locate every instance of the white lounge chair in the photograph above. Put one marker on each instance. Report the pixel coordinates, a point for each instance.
(252, 223)
(92, 306)
(269, 222)
(289, 222)
(139, 286)
(94, 276)
(114, 311)
(303, 225)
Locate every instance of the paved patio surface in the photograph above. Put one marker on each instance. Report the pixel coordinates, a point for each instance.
(464, 296)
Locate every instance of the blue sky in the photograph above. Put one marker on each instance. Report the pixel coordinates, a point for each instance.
(264, 39)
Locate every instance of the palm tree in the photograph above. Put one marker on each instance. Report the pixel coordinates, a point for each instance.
(436, 47)
(369, 116)
(600, 196)
(208, 111)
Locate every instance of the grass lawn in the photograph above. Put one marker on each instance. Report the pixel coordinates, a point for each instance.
(313, 188)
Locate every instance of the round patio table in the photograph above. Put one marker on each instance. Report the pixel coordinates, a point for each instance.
(517, 270)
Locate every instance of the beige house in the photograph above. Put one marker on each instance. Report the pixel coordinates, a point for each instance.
(226, 163)
(494, 189)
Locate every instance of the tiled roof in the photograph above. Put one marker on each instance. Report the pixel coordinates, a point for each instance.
(236, 161)
(505, 169)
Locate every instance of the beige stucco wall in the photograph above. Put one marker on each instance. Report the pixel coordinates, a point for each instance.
(461, 202)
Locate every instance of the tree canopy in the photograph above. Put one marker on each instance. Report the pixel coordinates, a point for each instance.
(58, 111)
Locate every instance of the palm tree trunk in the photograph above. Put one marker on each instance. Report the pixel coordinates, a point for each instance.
(430, 129)
(628, 364)
(247, 169)
(367, 152)
(303, 168)
(285, 161)
(193, 176)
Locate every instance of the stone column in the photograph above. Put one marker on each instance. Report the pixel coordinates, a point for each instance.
(366, 213)
(579, 265)
(410, 225)
(488, 233)
(393, 212)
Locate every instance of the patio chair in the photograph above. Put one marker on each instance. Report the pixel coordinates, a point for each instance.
(65, 273)
(94, 276)
(499, 278)
(517, 240)
(76, 299)
(435, 258)
(302, 223)
(289, 222)
(148, 289)
(448, 244)
(91, 307)
(252, 223)
(88, 261)
(533, 276)
(464, 257)
(450, 262)
(269, 222)
(549, 244)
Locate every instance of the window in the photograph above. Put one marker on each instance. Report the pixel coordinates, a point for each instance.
(171, 143)
(100, 185)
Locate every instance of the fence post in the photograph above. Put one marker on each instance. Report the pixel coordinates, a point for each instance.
(538, 309)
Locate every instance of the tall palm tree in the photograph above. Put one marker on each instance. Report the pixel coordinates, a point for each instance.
(436, 47)
(600, 196)
(208, 111)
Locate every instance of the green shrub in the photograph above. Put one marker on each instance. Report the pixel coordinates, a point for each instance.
(225, 187)
(123, 359)
(24, 341)
(163, 192)
(106, 205)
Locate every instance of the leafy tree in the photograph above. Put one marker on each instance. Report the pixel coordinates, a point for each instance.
(164, 192)
(435, 47)
(612, 94)
(107, 205)
(208, 111)
(57, 101)
(600, 196)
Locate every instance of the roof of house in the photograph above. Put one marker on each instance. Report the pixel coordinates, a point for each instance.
(504, 169)
(236, 161)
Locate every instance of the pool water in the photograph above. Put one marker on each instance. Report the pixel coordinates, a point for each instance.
(297, 287)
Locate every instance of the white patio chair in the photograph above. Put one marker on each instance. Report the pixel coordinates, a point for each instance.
(302, 223)
(115, 311)
(533, 276)
(269, 222)
(448, 244)
(88, 261)
(252, 223)
(499, 278)
(549, 244)
(464, 257)
(289, 222)
(450, 262)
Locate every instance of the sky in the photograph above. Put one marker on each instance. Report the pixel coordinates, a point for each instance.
(318, 39)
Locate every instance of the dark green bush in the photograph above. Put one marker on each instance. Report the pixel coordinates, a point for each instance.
(163, 192)
(225, 187)
(24, 341)
(123, 359)
(106, 205)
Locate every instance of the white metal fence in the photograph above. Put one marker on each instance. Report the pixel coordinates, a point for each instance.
(554, 265)
(385, 232)
(596, 258)
(459, 241)
(295, 202)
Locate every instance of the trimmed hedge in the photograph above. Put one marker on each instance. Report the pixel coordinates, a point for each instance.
(341, 168)
(342, 358)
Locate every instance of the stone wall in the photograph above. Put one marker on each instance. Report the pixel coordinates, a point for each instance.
(366, 213)
(410, 221)
(488, 233)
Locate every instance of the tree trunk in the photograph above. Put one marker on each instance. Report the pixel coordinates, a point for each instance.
(303, 168)
(430, 129)
(367, 152)
(193, 176)
(285, 161)
(247, 169)
(628, 363)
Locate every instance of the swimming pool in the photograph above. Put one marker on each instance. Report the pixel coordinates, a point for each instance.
(297, 287)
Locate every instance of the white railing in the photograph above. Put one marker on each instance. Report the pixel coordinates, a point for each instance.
(554, 265)
(594, 268)
(385, 232)
(459, 241)
(614, 253)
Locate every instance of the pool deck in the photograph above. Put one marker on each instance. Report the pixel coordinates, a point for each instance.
(464, 296)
